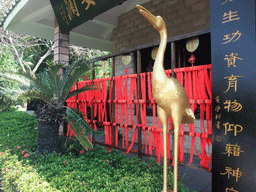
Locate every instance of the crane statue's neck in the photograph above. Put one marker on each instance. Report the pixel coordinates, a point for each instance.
(158, 71)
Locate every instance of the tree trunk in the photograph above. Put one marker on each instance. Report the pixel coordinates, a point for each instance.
(48, 119)
(48, 137)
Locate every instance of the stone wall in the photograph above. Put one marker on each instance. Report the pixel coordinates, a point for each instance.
(181, 17)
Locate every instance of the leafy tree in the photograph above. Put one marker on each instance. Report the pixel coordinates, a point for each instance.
(77, 53)
(8, 90)
(54, 90)
(29, 51)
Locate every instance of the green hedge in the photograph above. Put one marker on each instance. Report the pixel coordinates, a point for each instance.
(76, 170)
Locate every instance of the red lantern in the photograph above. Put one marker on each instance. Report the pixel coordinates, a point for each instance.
(192, 59)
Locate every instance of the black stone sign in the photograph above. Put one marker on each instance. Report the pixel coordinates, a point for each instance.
(234, 95)
(71, 13)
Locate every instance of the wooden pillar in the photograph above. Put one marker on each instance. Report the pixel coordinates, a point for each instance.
(113, 117)
(139, 97)
(173, 63)
(173, 57)
(184, 57)
(61, 54)
(179, 57)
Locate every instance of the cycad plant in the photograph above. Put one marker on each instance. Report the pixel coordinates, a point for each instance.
(53, 90)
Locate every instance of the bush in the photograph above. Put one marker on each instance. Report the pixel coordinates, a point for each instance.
(77, 170)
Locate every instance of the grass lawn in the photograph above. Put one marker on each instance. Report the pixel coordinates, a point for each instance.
(76, 170)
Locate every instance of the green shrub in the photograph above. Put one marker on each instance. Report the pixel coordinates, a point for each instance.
(94, 170)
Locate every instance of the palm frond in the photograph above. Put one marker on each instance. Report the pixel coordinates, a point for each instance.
(54, 78)
(9, 76)
(39, 83)
(37, 95)
(78, 118)
(66, 75)
(82, 138)
(86, 88)
(78, 70)
(80, 127)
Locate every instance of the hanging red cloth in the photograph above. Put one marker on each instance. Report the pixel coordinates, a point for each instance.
(168, 72)
(195, 81)
(152, 103)
(188, 82)
(110, 99)
(119, 102)
(96, 98)
(132, 94)
(104, 102)
(82, 99)
(159, 140)
(150, 95)
(168, 145)
(201, 88)
(71, 102)
(89, 94)
(126, 116)
(179, 75)
(208, 80)
(192, 131)
(143, 108)
(181, 141)
(203, 136)
(108, 137)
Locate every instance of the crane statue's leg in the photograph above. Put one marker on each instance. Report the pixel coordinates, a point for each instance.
(176, 116)
(164, 120)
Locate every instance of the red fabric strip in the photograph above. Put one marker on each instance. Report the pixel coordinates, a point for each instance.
(133, 140)
(181, 137)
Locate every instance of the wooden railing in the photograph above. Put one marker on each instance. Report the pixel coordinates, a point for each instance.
(115, 107)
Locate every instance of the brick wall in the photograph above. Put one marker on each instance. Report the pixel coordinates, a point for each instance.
(180, 16)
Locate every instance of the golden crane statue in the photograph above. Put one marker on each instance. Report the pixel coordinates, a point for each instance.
(170, 96)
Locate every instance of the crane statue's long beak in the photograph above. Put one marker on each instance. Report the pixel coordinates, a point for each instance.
(149, 16)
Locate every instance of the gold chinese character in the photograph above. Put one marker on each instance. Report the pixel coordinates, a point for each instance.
(235, 173)
(234, 107)
(230, 16)
(89, 2)
(218, 125)
(233, 149)
(232, 59)
(228, 38)
(218, 138)
(217, 98)
(225, 2)
(217, 116)
(71, 8)
(228, 169)
(232, 82)
(217, 108)
(231, 190)
(232, 127)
